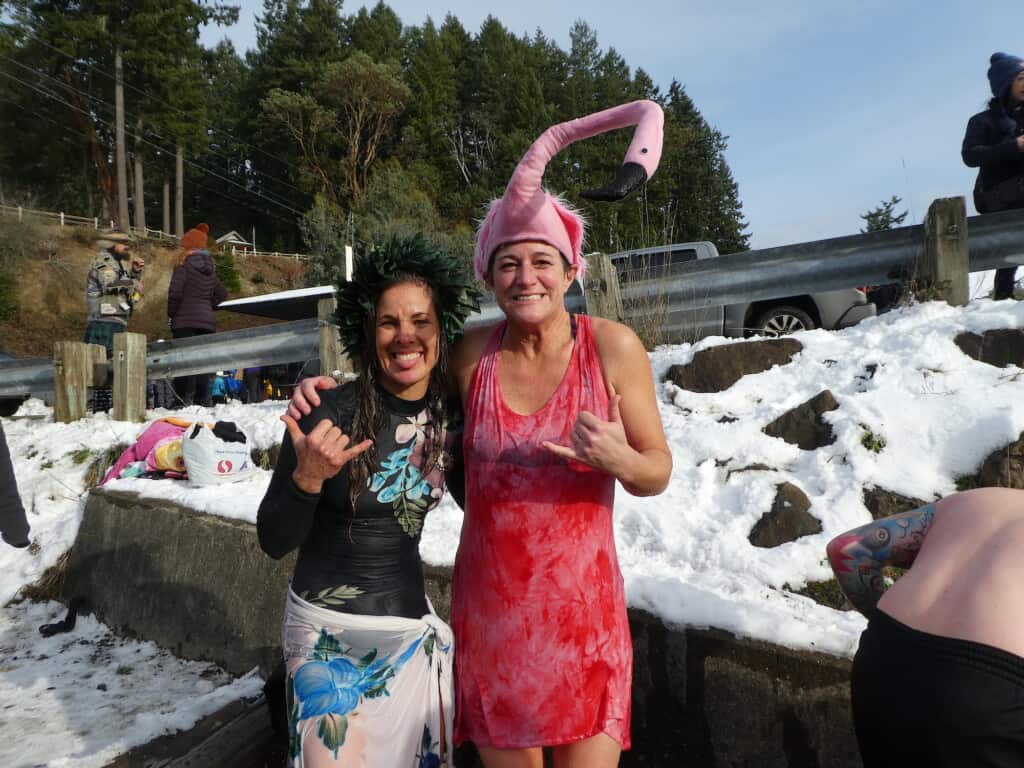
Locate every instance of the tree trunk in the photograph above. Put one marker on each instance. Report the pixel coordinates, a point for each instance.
(122, 162)
(179, 192)
(140, 196)
(99, 153)
(86, 182)
(167, 206)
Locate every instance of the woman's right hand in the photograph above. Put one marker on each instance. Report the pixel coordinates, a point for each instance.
(321, 454)
(304, 397)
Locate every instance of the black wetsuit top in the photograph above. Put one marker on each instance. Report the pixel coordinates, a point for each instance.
(365, 562)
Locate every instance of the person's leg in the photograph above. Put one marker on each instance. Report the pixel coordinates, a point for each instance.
(511, 758)
(600, 751)
(253, 386)
(1004, 283)
(101, 397)
(184, 386)
(203, 381)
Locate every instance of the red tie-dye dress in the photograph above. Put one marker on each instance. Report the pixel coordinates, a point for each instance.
(542, 646)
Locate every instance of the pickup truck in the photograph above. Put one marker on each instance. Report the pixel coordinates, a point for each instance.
(773, 317)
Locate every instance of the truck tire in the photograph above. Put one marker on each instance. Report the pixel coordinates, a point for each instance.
(782, 320)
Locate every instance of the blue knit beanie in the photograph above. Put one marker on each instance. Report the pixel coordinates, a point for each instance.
(1002, 70)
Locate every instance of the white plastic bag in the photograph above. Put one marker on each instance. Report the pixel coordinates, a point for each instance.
(212, 461)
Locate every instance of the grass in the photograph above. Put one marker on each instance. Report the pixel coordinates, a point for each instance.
(80, 456)
(48, 586)
(871, 441)
(966, 482)
(825, 593)
(94, 474)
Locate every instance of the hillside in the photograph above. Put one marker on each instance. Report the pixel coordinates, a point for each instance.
(50, 264)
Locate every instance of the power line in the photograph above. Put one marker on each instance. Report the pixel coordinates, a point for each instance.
(247, 205)
(132, 117)
(208, 171)
(154, 98)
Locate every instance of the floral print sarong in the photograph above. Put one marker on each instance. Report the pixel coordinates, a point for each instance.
(367, 691)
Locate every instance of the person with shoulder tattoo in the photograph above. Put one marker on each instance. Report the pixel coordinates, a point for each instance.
(938, 677)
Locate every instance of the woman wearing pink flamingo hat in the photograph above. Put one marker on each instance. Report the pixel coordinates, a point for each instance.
(558, 407)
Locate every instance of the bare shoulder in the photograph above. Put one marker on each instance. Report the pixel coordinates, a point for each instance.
(467, 352)
(617, 344)
(470, 347)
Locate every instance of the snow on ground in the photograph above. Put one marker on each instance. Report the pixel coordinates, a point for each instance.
(84, 697)
(684, 554)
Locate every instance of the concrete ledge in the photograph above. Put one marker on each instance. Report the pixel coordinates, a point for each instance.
(200, 586)
(195, 584)
(237, 736)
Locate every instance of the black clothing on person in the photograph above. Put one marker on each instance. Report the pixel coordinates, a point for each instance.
(14, 527)
(925, 700)
(365, 560)
(68, 622)
(990, 145)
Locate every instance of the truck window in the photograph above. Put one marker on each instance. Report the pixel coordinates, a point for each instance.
(653, 265)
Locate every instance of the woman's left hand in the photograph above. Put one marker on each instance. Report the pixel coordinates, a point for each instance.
(600, 443)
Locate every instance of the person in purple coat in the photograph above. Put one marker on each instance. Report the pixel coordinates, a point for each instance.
(194, 293)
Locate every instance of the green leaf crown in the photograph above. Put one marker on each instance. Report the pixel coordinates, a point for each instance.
(456, 293)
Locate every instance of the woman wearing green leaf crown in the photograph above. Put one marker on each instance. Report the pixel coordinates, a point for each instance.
(369, 680)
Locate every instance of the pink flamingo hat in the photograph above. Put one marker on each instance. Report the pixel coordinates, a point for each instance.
(527, 212)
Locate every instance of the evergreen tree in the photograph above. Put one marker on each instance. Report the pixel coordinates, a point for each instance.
(377, 33)
(67, 52)
(883, 216)
(354, 118)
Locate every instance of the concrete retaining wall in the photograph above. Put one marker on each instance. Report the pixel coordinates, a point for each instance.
(195, 584)
(201, 587)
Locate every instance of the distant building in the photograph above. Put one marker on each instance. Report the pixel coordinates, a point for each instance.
(234, 241)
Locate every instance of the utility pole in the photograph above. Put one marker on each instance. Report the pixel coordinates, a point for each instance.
(140, 198)
(167, 206)
(179, 192)
(122, 164)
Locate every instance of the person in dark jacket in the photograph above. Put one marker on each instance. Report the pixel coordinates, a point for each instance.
(13, 523)
(194, 293)
(994, 144)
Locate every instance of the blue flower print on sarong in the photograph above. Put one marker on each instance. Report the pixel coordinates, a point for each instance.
(427, 757)
(330, 685)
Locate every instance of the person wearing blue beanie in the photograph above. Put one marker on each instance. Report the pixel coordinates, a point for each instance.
(994, 144)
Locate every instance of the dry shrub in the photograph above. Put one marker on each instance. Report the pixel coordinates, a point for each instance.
(49, 585)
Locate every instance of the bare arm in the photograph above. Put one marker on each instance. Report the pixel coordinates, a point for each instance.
(857, 557)
(628, 442)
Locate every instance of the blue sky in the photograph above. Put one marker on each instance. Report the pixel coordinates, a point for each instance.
(829, 107)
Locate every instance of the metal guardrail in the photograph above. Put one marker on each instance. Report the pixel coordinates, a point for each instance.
(274, 344)
(995, 240)
(278, 343)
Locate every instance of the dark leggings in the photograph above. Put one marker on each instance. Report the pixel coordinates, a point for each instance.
(1004, 283)
(193, 390)
(926, 700)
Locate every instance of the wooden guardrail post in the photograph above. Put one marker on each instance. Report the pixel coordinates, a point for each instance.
(604, 299)
(332, 358)
(129, 365)
(73, 363)
(946, 263)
